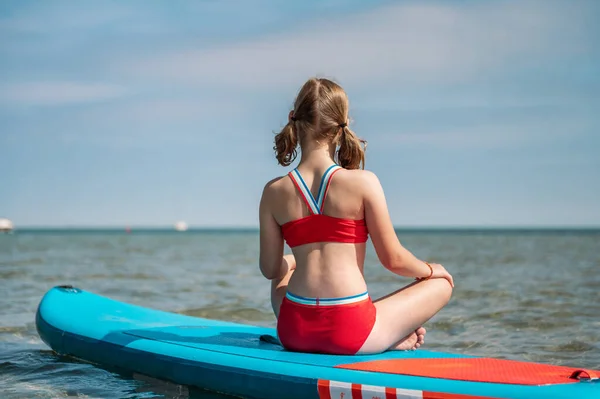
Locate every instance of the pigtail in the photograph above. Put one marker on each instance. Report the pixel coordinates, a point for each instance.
(286, 143)
(351, 154)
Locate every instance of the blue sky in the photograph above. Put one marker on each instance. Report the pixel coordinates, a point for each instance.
(477, 113)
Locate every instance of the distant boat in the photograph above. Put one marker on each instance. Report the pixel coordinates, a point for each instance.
(181, 226)
(6, 226)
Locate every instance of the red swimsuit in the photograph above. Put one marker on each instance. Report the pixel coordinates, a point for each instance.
(324, 325)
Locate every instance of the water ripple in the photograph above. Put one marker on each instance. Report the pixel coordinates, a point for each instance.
(530, 296)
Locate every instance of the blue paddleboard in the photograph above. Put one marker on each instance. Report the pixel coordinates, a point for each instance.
(247, 361)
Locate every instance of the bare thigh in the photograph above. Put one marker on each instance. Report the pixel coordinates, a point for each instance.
(402, 312)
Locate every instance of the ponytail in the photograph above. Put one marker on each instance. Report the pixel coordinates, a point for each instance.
(350, 154)
(286, 143)
(320, 112)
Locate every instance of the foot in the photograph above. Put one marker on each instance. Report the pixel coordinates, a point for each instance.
(420, 336)
(412, 341)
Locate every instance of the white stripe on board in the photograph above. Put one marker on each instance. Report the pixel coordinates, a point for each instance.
(408, 394)
(372, 391)
(343, 390)
(340, 390)
(376, 392)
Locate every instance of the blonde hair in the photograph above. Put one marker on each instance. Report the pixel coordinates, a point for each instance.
(320, 112)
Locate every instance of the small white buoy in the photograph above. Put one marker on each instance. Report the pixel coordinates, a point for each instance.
(6, 225)
(181, 226)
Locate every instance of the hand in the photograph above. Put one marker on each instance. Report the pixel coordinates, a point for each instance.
(439, 272)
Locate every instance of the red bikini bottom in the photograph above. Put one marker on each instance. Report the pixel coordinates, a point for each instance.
(325, 325)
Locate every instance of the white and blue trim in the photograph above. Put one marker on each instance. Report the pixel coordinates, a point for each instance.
(324, 184)
(327, 301)
(310, 201)
(315, 205)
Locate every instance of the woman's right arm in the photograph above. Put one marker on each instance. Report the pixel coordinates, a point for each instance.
(390, 252)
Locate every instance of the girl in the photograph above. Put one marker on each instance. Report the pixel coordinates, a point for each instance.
(325, 209)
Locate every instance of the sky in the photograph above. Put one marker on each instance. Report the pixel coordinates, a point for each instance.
(476, 113)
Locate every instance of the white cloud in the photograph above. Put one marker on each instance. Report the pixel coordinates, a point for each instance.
(58, 93)
(490, 135)
(407, 44)
(144, 123)
(478, 137)
(56, 16)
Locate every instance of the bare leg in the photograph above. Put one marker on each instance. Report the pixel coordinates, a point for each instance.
(412, 341)
(279, 285)
(401, 314)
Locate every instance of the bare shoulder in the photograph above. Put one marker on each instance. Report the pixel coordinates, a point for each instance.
(358, 178)
(273, 186)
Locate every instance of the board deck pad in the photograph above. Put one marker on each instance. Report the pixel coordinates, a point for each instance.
(483, 369)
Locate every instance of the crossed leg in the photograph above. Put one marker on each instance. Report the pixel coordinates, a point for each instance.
(400, 315)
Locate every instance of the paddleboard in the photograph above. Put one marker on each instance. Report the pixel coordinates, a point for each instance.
(248, 361)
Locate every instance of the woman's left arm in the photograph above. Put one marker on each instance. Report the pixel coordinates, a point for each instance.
(271, 239)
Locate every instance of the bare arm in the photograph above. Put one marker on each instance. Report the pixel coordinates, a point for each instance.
(390, 252)
(271, 240)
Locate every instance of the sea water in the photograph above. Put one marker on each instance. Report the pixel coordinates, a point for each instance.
(520, 294)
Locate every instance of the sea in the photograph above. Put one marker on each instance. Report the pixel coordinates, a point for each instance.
(522, 294)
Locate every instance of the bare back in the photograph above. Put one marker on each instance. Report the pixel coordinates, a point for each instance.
(324, 269)
(328, 236)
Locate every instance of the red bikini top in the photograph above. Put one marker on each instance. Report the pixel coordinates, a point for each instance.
(317, 227)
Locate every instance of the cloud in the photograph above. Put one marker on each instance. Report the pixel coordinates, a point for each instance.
(480, 137)
(490, 135)
(139, 122)
(62, 16)
(58, 93)
(408, 44)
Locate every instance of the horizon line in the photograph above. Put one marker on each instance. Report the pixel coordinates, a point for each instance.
(257, 228)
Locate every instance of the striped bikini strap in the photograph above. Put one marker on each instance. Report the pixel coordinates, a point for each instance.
(309, 200)
(315, 206)
(324, 187)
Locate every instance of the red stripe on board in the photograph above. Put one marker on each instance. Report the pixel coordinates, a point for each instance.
(356, 391)
(390, 393)
(442, 395)
(323, 389)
